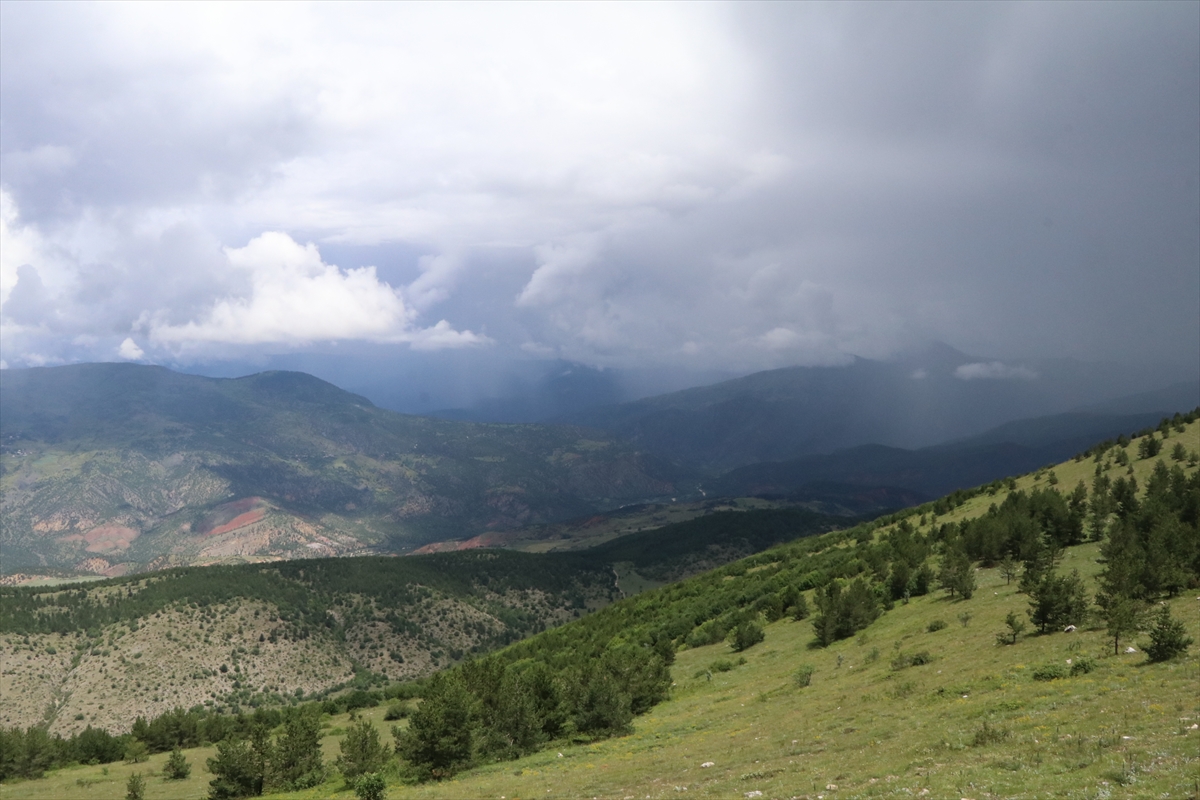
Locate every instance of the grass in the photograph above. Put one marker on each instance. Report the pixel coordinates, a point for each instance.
(971, 723)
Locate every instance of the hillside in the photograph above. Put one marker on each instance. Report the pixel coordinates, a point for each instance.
(113, 468)
(1010, 449)
(921, 700)
(918, 401)
(103, 653)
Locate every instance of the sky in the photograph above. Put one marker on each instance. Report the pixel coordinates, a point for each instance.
(700, 188)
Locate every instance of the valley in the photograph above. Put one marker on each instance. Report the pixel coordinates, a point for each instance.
(976, 721)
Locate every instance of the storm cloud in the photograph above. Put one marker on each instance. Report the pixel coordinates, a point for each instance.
(729, 186)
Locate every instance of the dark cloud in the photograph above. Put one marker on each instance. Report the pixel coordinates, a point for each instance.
(719, 187)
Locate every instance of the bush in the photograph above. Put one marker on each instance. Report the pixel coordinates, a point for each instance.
(395, 711)
(989, 734)
(936, 625)
(1168, 637)
(803, 676)
(746, 635)
(1049, 672)
(1082, 666)
(370, 787)
(135, 787)
(913, 660)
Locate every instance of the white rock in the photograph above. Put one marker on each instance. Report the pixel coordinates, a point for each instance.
(755, 793)
(1130, 649)
(707, 764)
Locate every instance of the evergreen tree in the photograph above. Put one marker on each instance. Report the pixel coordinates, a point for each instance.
(601, 708)
(296, 758)
(1099, 507)
(440, 738)
(238, 771)
(1057, 601)
(1122, 617)
(177, 767)
(1015, 627)
(1168, 637)
(957, 576)
(1009, 569)
(361, 752)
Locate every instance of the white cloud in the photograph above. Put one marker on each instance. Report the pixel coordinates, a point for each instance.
(129, 350)
(993, 370)
(295, 298)
(560, 269)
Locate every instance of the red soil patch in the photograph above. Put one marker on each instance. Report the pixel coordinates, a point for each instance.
(107, 538)
(240, 521)
(231, 516)
(482, 540)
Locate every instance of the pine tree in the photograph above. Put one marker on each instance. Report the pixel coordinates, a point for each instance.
(296, 762)
(177, 767)
(1168, 637)
(1122, 617)
(361, 752)
(1057, 601)
(440, 738)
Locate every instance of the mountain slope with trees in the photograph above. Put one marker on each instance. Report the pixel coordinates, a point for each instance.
(110, 468)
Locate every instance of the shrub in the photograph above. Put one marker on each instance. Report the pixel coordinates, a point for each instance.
(936, 625)
(746, 635)
(370, 787)
(1049, 672)
(1168, 637)
(989, 734)
(135, 787)
(912, 660)
(1082, 666)
(803, 676)
(395, 711)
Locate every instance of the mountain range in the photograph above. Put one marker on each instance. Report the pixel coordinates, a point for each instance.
(110, 467)
(933, 397)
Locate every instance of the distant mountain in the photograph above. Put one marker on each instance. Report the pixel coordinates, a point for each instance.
(924, 399)
(1009, 449)
(112, 467)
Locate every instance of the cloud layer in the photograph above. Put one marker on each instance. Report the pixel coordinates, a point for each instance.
(723, 186)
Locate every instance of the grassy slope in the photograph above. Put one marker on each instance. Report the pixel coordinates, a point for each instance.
(1123, 730)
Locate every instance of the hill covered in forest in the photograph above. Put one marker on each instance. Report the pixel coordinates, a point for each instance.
(111, 468)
